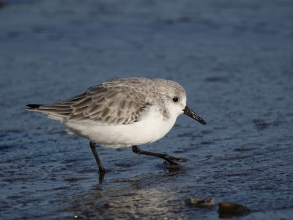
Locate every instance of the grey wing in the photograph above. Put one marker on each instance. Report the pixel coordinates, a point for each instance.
(106, 105)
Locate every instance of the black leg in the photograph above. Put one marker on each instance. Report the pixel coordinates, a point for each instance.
(166, 157)
(93, 147)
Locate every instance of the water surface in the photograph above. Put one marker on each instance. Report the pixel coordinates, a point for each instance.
(235, 60)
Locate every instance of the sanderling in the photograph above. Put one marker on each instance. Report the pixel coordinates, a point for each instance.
(121, 113)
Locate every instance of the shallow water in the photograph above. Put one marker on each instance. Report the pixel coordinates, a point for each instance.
(235, 60)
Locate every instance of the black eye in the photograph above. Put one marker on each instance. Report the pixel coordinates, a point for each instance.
(175, 99)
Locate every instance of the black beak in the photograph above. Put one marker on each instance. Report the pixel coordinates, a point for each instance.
(187, 111)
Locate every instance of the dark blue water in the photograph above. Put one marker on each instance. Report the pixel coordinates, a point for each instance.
(235, 60)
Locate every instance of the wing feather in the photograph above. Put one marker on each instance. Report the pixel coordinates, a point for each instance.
(94, 108)
(82, 103)
(112, 102)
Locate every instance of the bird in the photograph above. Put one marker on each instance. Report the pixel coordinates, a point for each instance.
(123, 112)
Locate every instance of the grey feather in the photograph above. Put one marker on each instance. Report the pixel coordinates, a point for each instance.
(120, 101)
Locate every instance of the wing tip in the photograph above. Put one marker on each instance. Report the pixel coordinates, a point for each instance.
(33, 106)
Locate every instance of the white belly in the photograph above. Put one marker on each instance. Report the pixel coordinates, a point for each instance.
(149, 129)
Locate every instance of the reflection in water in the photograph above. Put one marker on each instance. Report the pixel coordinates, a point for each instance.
(137, 198)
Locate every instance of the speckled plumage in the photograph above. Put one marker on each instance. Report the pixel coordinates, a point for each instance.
(122, 112)
(116, 102)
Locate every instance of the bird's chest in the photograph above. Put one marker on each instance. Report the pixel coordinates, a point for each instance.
(155, 125)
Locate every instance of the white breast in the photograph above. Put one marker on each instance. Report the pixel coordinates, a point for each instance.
(151, 127)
